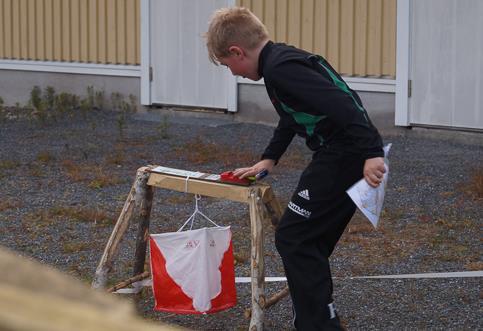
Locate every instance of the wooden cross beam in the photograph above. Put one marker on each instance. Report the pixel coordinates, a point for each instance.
(259, 197)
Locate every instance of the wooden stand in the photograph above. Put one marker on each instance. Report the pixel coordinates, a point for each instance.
(259, 197)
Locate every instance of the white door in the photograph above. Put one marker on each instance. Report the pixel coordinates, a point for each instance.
(181, 72)
(446, 63)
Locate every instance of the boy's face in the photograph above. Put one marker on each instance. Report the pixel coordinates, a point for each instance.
(240, 64)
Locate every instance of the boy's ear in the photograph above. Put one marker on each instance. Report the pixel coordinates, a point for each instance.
(236, 50)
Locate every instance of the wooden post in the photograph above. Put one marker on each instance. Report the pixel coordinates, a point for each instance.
(144, 202)
(257, 261)
(105, 264)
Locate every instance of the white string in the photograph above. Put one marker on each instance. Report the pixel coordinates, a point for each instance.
(193, 216)
(186, 184)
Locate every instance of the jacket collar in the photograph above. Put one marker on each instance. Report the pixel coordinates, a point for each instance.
(263, 55)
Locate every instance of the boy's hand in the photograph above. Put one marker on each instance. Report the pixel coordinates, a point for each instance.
(374, 170)
(255, 169)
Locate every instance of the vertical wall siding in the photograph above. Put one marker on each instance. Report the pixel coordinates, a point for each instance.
(358, 37)
(90, 31)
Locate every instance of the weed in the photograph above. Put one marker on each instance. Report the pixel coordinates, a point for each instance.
(91, 96)
(121, 124)
(73, 170)
(45, 157)
(49, 97)
(101, 179)
(3, 113)
(8, 164)
(75, 247)
(38, 104)
(116, 100)
(65, 103)
(162, 128)
(9, 204)
(35, 97)
(133, 103)
(35, 170)
(80, 214)
(474, 187)
(475, 266)
(99, 99)
(84, 107)
(117, 157)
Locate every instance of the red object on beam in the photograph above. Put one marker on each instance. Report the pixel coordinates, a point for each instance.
(228, 177)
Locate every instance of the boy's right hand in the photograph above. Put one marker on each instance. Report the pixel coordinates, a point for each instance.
(266, 164)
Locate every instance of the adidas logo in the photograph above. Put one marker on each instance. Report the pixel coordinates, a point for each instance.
(304, 194)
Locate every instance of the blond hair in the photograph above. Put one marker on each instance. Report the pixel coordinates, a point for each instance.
(233, 26)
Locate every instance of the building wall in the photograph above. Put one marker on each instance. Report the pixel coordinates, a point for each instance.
(16, 85)
(89, 31)
(358, 37)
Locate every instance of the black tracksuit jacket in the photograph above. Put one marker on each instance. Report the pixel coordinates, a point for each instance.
(314, 102)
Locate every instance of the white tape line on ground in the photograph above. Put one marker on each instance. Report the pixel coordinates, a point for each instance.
(267, 279)
(462, 274)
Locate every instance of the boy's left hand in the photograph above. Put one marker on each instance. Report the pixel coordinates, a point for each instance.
(374, 170)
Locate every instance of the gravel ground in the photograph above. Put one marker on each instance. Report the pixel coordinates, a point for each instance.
(63, 184)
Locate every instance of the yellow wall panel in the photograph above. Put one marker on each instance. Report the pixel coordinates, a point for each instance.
(49, 30)
(333, 32)
(66, 31)
(97, 31)
(84, 30)
(31, 35)
(130, 32)
(281, 21)
(102, 33)
(358, 37)
(111, 32)
(346, 65)
(74, 39)
(320, 27)
(307, 36)
(294, 23)
(389, 38)
(92, 30)
(7, 24)
(2, 32)
(374, 37)
(270, 16)
(138, 31)
(121, 31)
(24, 37)
(16, 29)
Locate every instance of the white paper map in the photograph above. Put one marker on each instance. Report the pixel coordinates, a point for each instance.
(369, 199)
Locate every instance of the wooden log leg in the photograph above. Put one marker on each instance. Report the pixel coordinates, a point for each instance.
(129, 281)
(272, 300)
(257, 262)
(145, 203)
(105, 264)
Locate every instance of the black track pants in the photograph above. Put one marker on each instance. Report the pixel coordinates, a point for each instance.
(308, 231)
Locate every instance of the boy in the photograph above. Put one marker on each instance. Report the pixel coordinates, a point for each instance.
(314, 102)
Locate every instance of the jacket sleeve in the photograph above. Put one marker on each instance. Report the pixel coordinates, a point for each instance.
(282, 137)
(328, 95)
